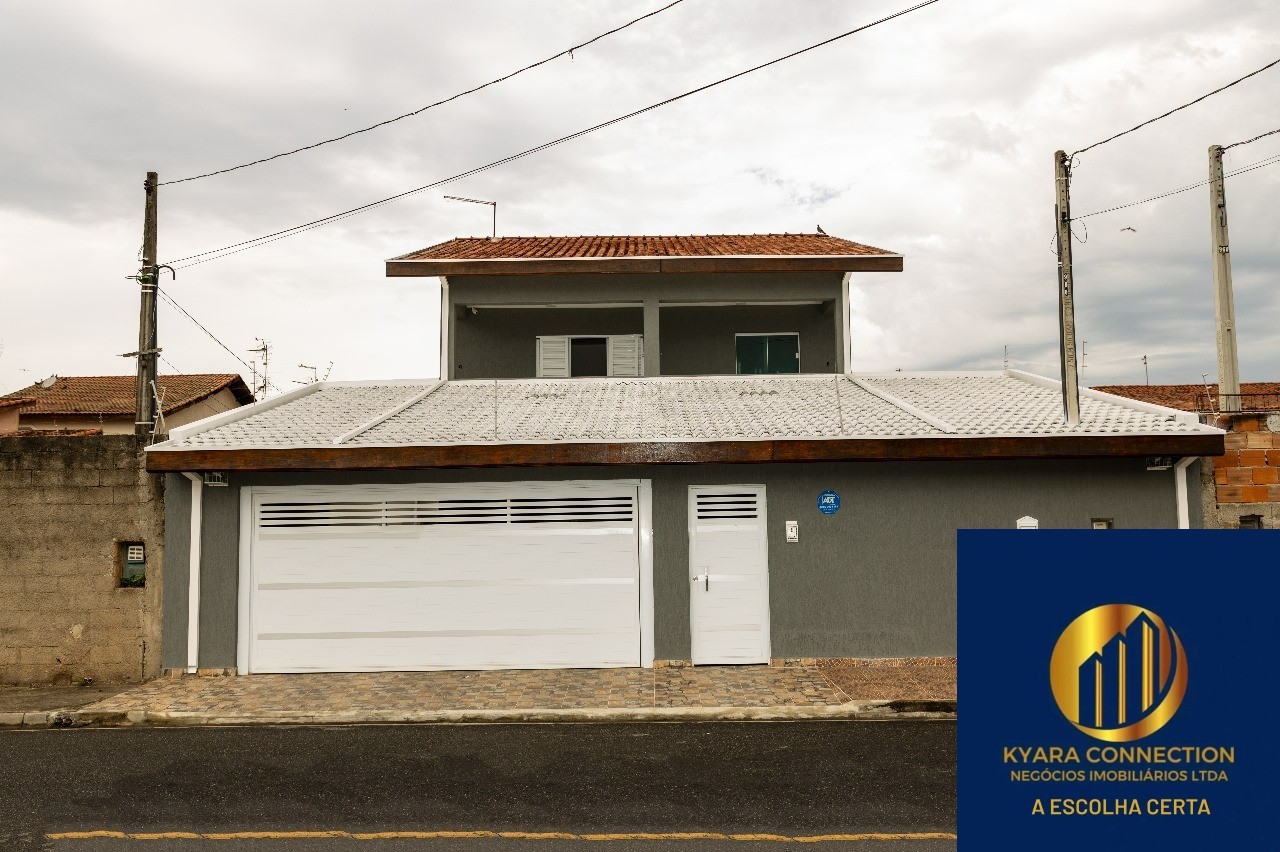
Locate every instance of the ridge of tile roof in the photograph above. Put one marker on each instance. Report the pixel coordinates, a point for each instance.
(114, 395)
(702, 408)
(644, 246)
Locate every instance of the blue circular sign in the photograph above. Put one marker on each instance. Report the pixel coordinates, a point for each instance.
(828, 502)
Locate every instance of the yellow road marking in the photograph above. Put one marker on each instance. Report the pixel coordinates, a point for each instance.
(420, 835)
(825, 838)
(516, 835)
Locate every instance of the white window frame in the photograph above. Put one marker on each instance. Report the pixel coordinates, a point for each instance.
(794, 334)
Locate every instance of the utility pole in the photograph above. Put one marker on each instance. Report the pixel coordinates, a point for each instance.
(148, 277)
(1146, 371)
(1224, 310)
(1066, 290)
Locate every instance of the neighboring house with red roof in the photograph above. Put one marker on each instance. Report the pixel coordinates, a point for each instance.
(106, 403)
(640, 449)
(9, 409)
(1241, 487)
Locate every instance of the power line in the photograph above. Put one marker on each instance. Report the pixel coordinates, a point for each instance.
(1176, 109)
(505, 77)
(244, 245)
(1254, 139)
(1270, 161)
(164, 295)
(211, 335)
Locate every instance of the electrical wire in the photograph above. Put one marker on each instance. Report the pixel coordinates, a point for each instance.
(244, 245)
(1254, 139)
(1270, 161)
(494, 82)
(209, 400)
(210, 334)
(1176, 109)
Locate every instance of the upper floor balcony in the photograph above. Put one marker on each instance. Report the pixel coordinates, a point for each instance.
(524, 307)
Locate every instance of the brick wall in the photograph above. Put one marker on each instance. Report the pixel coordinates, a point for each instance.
(1246, 479)
(65, 502)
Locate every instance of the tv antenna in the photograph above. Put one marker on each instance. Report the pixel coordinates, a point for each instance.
(263, 351)
(492, 204)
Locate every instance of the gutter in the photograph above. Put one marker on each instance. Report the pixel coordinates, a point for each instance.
(1180, 490)
(193, 572)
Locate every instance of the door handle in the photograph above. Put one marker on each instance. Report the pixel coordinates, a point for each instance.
(706, 579)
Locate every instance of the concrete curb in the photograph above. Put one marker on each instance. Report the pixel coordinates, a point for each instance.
(29, 719)
(855, 710)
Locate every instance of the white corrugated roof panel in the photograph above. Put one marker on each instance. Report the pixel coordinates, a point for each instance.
(711, 408)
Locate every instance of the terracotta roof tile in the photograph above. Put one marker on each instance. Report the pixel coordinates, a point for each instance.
(114, 395)
(1186, 397)
(709, 245)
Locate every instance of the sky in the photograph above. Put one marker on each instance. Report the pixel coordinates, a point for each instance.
(931, 135)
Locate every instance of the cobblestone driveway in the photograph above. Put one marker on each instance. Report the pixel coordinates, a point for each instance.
(830, 684)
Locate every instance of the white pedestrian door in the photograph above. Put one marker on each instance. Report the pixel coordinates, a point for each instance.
(475, 576)
(728, 574)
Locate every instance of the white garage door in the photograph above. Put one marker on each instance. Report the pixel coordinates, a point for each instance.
(401, 578)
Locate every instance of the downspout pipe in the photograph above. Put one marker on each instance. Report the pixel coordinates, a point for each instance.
(193, 573)
(1180, 489)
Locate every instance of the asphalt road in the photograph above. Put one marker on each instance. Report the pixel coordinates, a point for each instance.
(798, 779)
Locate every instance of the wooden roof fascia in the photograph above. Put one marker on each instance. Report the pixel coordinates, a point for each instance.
(948, 448)
(651, 265)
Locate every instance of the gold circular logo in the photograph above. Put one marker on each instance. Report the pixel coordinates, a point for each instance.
(1118, 672)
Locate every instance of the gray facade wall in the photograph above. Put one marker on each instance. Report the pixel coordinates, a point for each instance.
(877, 579)
(219, 574)
(498, 342)
(700, 341)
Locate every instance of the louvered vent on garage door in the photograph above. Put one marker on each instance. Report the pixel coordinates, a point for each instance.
(727, 505)
(398, 513)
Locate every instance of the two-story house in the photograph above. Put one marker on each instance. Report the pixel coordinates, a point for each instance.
(639, 449)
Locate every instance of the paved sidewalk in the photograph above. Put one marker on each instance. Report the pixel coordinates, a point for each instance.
(827, 689)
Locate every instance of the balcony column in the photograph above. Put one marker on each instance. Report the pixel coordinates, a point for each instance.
(652, 351)
(844, 321)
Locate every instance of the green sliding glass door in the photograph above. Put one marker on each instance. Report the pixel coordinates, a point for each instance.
(768, 353)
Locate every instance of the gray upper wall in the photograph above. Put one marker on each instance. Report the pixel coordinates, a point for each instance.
(877, 579)
(489, 342)
(601, 287)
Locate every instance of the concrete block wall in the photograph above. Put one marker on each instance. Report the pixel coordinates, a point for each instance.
(1246, 479)
(65, 502)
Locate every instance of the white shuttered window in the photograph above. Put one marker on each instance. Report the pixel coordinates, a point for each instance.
(553, 358)
(625, 355)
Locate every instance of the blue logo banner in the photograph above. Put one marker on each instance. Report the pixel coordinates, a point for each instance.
(1114, 687)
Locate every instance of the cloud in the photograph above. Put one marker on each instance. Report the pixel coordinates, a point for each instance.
(931, 135)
